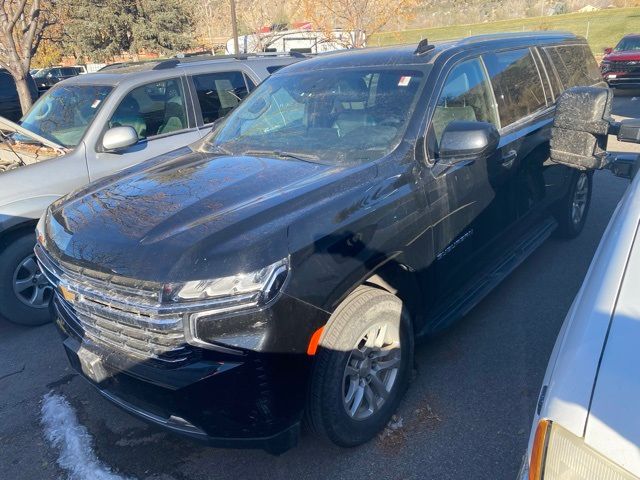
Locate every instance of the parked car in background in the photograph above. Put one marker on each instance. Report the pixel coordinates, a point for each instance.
(9, 100)
(93, 125)
(621, 65)
(48, 77)
(284, 265)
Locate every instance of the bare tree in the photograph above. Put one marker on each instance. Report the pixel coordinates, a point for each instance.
(22, 24)
(359, 19)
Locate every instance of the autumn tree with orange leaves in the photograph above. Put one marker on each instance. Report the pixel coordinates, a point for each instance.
(361, 18)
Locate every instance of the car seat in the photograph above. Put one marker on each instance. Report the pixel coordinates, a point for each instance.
(350, 105)
(128, 115)
(453, 105)
(174, 113)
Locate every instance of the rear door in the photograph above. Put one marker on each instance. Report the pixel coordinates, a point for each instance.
(161, 114)
(525, 107)
(218, 93)
(470, 201)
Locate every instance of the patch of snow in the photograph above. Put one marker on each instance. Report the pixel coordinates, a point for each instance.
(72, 439)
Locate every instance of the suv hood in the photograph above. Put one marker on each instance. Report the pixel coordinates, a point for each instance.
(622, 56)
(16, 154)
(170, 220)
(8, 125)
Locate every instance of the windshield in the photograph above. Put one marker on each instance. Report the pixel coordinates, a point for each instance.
(42, 73)
(627, 44)
(329, 116)
(65, 113)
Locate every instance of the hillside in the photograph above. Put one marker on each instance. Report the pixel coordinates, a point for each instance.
(602, 28)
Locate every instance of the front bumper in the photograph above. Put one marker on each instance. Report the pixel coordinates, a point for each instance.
(243, 400)
(621, 80)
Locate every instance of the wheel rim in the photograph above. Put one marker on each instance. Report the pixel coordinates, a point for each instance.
(580, 199)
(30, 285)
(371, 371)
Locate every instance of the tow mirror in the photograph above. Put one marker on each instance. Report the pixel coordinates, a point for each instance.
(580, 128)
(462, 140)
(629, 130)
(118, 138)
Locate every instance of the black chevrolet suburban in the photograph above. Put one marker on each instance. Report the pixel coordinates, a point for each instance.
(281, 269)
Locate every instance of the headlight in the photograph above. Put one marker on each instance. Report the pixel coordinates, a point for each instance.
(605, 66)
(228, 293)
(558, 454)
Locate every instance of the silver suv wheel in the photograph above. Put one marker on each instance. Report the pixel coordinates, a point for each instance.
(30, 285)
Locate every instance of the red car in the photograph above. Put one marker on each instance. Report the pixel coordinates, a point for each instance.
(621, 65)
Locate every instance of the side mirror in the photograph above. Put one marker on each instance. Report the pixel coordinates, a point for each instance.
(462, 140)
(608, 50)
(118, 138)
(629, 130)
(580, 128)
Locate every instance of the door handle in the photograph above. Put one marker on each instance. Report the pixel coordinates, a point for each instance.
(509, 159)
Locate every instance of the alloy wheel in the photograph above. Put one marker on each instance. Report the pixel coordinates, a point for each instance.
(580, 198)
(30, 285)
(371, 371)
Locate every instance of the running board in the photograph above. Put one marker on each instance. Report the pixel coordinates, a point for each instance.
(485, 282)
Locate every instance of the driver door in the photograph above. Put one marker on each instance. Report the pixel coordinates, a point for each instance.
(471, 201)
(159, 113)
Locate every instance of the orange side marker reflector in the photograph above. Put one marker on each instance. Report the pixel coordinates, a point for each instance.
(315, 340)
(538, 450)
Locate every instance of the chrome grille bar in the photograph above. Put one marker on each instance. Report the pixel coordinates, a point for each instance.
(118, 316)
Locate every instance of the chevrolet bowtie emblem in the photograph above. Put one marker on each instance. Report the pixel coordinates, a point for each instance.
(67, 294)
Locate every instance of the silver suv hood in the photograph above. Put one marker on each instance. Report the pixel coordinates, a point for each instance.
(15, 155)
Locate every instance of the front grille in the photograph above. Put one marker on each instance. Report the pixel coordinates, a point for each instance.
(624, 67)
(120, 314)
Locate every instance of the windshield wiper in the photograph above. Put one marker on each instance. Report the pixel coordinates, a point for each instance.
(220, 149)
(305, 157)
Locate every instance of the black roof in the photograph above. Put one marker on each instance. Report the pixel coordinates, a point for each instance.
(410, 55)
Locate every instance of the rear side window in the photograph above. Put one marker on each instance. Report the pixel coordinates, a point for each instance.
(466, 96)
(575, 65)
(219, 93)
(154, 109)
(551, 74)
(516, 84)
(69, 71)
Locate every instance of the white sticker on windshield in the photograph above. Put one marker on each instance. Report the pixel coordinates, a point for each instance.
(96, 103)
(404, 81)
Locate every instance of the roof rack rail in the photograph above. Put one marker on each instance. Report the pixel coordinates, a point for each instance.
(174, 62)
(424, 47)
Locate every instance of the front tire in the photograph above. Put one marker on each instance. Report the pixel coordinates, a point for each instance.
(571, 211)
(24, 292)
(362, 368)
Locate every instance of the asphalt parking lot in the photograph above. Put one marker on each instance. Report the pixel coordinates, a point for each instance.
(466, 415)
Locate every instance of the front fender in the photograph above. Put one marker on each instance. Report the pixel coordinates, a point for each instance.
(25, 211)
